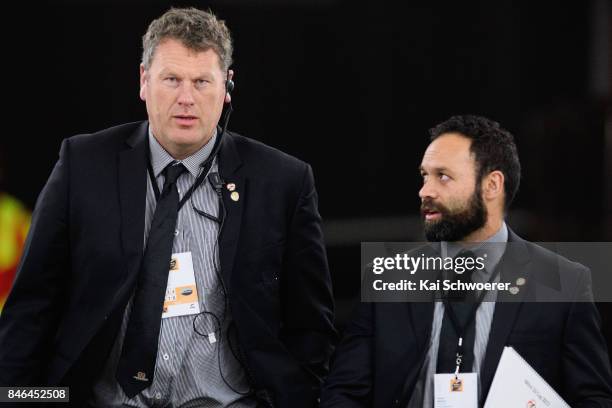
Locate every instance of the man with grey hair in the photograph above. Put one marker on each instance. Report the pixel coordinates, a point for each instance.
(170, 262)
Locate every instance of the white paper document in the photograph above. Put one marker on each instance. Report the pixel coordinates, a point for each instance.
(517, 384)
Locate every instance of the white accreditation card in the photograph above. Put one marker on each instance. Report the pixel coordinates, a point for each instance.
(181, 292)
(456, 392)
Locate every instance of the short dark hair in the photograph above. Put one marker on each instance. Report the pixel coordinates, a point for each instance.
(493, 148)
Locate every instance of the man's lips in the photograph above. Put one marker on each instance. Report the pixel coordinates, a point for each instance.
(185, 120)
(431, 215)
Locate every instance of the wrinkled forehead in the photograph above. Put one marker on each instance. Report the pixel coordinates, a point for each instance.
(173, 54)
(449, 151)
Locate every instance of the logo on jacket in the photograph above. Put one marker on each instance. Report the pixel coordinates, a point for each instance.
(140, 376)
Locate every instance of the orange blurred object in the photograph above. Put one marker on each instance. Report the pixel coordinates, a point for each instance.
(14, 224)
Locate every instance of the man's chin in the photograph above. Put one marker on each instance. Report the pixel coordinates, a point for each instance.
(189, 137)
(439, 230)
(432, 223)
(431, 229)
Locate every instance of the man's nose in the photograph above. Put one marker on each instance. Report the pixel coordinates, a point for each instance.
(185, 96)
(427, 191)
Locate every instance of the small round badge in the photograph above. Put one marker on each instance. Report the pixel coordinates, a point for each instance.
(514, 290)
(231, 186)
(520, 281)
(235, 196)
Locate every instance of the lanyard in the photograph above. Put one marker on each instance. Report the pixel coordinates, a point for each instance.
(459, 329)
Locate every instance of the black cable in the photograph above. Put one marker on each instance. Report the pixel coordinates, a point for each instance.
(220, 322)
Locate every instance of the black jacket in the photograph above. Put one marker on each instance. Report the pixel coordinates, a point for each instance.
(379, 359)
(85, 246)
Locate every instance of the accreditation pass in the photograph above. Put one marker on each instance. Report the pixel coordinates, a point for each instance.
(456, 391)
(181, 293)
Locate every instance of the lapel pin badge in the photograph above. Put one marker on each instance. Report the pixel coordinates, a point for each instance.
(235, 196)
(231, 186)
(513, 290)
(520, 281)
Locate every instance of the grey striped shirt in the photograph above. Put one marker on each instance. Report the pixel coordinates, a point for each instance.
(187, 370)
(423, 394)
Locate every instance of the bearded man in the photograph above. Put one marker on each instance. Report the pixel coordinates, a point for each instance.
(393, 353)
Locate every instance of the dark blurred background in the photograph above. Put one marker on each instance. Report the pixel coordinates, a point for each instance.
(351, 87)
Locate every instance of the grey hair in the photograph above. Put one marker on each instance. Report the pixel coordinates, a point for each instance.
(198, 30)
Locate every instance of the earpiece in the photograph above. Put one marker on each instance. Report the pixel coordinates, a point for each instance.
(229, 86)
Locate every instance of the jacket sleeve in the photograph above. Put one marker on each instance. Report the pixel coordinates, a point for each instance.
(30, 316)
(308, 306)
(588, 377)
(349, 384)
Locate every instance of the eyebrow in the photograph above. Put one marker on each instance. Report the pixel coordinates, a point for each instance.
(171, 71)
(167, 72)
(436, 169)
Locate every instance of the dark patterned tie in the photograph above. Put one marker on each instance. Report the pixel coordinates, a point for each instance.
(137, 363)
(462, 304)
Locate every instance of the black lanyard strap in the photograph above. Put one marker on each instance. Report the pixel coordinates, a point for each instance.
(462, 329)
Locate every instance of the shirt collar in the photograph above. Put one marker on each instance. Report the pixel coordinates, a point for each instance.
(493, 247)
(160, 158)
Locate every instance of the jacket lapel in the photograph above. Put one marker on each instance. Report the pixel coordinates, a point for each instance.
(422, 312)
(233, 201)
(132, 198)
(515, 265)
(421, 317)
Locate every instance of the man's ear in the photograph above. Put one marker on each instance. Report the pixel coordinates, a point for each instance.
(143, 82)
(493, 186)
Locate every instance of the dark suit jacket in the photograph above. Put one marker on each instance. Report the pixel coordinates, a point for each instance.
(383, 349)
(85, 247)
